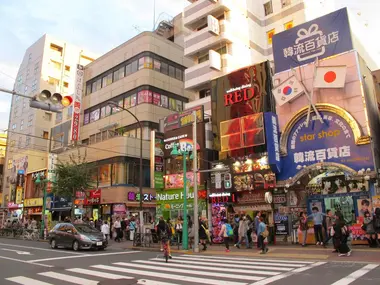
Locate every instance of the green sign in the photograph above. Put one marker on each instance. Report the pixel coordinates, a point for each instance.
(158, 180)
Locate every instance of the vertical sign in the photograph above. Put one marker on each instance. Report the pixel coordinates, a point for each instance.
(218, 180)
(77, 103)
(51, 170)
(157, 160)
(18, 195)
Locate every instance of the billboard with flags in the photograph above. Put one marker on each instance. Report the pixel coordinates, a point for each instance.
(323, 37)
(287, 90)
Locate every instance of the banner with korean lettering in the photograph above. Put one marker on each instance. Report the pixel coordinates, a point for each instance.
(332, 141)
(320, 38)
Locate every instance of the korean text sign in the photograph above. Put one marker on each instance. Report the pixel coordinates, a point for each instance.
(320, 38)
(332, 141)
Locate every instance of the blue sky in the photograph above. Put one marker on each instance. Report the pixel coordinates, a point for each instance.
(100, 25)
(95, 25)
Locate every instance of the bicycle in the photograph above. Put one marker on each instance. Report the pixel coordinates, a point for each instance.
(31, 235)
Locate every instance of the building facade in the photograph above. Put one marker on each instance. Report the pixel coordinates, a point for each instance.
(47, 64)
(145, 75)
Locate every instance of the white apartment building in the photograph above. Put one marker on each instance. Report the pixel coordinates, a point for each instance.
(226, 35)
(47, 64)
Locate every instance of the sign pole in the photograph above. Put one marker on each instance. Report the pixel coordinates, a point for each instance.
(195, 170)
(185, 232)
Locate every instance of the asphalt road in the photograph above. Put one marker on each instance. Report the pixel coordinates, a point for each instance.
(35, 263)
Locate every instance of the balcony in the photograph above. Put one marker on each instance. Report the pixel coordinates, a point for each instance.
(198, 76)
(199, 10)
(205, 40)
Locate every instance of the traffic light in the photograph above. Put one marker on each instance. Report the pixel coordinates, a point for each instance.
(53, 103)
(227, 181)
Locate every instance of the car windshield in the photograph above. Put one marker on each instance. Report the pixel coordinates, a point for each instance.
(86, 229)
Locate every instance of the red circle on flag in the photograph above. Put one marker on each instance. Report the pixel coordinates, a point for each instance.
(330, 76)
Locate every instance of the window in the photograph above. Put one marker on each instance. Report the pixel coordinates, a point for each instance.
(92, 139)
(157, 65)
(36, 67)
(19, 142)
(128, 69)
(58, 141)
(204, 93)
(30, 120)
(13, 143)
(53, 81)
(30, 57)
(66, 84)
(203, 58)
(27, 141)
(47, 116)
(268, 8)
(104, 175)
(285, 3)
(88, 89)
(70, 112)
(45, 135)
(288, 25)
(178, 74)
(67, 68)
(14, 126)
(222, 50)
(104, 135)
(56, 49)
(21, 125)
(34, 85)
(107, 80)
(164, 68)
(56, 65)
(98, 137)
(58, 118)
(171, 71)
(23, 105)
(10, 163)
(270, 35)
(118, 74)
(134, 66)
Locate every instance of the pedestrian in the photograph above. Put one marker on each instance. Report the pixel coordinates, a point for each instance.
(329, 225)
(262, 234)
(251, 226)
(376, 222)
(117, 228)
(236, 228)
(303, 227)
(126, 231)
(257, 222)
(132, 228)
(164, 233)
(318, 221)
(369, 228)
(203, 234)
(340, 234)
(123, 228)
(178, 229)
(243, 229)
(224, 234)
(105, 229)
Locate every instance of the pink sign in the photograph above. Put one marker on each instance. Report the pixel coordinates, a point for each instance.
(156, 99)
(174, 181)
(119, 209)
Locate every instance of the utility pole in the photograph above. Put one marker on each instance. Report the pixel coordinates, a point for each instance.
(195, 174)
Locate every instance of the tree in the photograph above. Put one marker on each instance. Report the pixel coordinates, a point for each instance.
(71, 177)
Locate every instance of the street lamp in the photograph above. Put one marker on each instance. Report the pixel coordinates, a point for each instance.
(116, 105)
(185, 232)
(43, 183)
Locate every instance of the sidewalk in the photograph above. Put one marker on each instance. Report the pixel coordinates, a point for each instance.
(312, 252)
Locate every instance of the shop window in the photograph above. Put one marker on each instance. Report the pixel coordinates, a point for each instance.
(288, 25)
(268, 8)
(104, 175)
(270, 35)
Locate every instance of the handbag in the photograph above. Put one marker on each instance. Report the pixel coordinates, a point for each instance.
(207, 232)
(265, 233)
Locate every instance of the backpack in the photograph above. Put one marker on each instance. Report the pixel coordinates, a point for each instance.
(229, 230)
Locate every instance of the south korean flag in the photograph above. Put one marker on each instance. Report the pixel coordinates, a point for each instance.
(288, 90)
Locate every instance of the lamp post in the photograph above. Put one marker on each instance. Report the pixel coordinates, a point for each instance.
(114, 104)
(185, 230)
(42, 182)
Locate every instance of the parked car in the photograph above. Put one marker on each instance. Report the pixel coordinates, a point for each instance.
(77, 236)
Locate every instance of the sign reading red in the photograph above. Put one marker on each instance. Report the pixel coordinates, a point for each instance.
(239, 95)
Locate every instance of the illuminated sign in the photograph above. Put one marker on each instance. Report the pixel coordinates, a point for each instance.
(221, 198)
(239, 94)
(132, 196)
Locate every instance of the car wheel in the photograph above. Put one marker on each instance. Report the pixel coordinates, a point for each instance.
(53, 244)
(76, 245)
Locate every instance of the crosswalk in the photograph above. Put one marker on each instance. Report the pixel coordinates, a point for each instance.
(182, 270)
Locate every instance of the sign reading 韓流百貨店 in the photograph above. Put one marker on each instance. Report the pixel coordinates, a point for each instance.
(320, 38)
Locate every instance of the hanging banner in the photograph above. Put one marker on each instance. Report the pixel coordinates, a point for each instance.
(320, 38)
(77, 104)
(18, 195)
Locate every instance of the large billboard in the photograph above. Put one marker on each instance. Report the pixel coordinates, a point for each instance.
(241, 95)
(323, 37)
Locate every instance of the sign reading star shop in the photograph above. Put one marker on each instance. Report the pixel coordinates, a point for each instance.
(332, 141)
(320, 38)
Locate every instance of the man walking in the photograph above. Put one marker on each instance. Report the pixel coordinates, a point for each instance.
(257, 222)
(329, 225)
(262, 235)
(117, 227)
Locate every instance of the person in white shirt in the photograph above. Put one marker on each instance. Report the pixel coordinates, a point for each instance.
(105, 229)
(117, 227)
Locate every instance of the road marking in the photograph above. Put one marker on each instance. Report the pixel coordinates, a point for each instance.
(68, 278)
(151, 282)
(24, 261)
(223, 269)
(231, 265)
(166, 276)
(287, 274)
(250, 259)
(355, 275)
(43, 249)
(261, 262)
(98, 273)
(17, 251)
(186, 271)
(80, 256)
(26, 281)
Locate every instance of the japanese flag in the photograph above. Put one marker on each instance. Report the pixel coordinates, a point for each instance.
(287, 90)
(330, 76)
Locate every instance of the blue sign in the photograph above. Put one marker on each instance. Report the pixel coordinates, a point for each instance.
(320, 38)
(332, 141)
(20, 172)
(272, 138)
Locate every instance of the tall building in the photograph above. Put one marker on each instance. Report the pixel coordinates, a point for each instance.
(226, 35)
(3, 148)
(145, 75)
(47, 64)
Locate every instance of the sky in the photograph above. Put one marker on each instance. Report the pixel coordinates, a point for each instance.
(100, 25)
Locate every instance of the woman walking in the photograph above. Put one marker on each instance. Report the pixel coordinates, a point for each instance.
(203, 236)
(340, 232)
(243, 229)
(303, 227)
(224, 234)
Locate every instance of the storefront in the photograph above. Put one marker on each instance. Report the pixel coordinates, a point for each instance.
(15, 211)
(33, 208)
(88, 204)
(328, 166)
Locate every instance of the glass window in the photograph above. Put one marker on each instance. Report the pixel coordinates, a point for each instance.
(94, 115)
(164, 101)
(118, 173)
(172, 104)
(178, 74)
(108, 110)
(268, 8)
(88, 89)
(203, 58)
(93, 86)
(270, 35)
(92, 139)
(164, 68)
(133, 100)
(134, 66)
(127, 102)
(222, 50)
(98, 137)
(118, 74)
(107, 80)
(171, 71)
(157, 99)
(144, 96)
(157, 65)
(148, 62)
(179, 106)
(103, 112)
(58, 118)
(86, 119)
(104, 135)
(99, 84)
(105, 175)
(141, 62)
(128, 69)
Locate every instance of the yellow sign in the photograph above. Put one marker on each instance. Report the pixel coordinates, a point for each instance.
(33, 202)
(19, 195)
